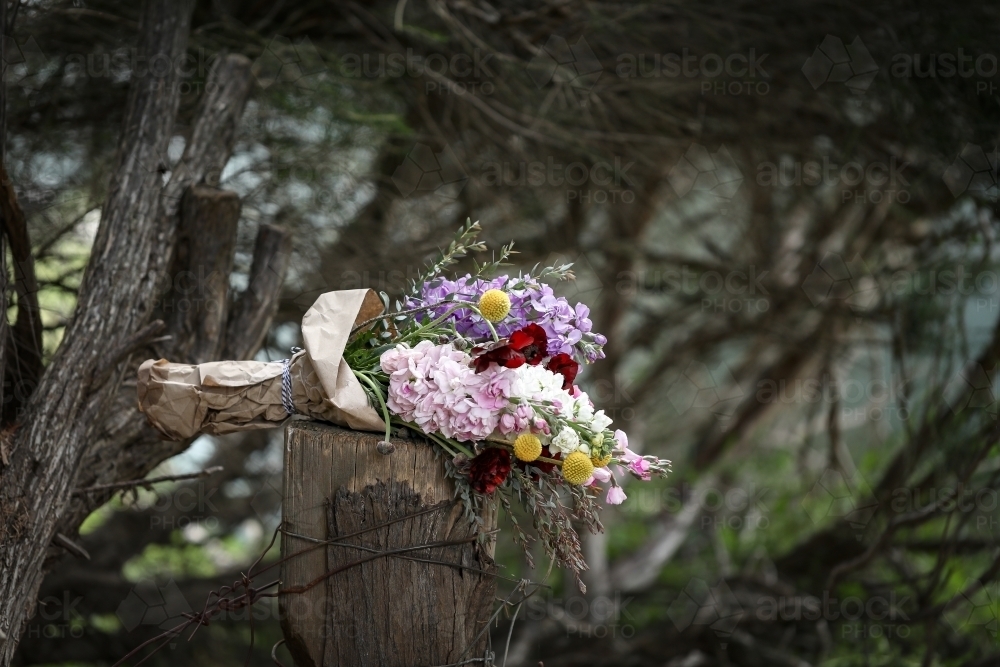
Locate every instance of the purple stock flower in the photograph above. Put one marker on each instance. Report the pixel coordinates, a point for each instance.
(568, 328)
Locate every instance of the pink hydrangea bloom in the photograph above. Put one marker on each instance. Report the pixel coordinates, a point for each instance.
(517, 420)
(435, 387)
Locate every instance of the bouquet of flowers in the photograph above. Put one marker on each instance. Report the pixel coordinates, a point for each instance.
(485, 368)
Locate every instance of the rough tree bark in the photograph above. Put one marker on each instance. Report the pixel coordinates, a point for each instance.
(24, 339)
(80, 425)
(127, 448)
(113, 307)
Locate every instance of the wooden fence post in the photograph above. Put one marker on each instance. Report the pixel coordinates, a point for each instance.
(389, 611)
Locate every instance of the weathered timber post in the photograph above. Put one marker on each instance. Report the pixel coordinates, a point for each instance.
(388, 611)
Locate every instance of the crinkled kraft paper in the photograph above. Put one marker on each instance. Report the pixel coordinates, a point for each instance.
(183, 400)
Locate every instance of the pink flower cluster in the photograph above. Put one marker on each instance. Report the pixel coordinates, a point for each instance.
(436, 388)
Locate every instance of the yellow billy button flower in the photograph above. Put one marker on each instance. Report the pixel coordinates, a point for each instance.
(600, 461)
(577, 468)
(494, 304)
(527, 447)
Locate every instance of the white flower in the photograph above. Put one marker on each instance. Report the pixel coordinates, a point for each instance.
(567, 441)
(535, 383)
(583, 408)
(600, 422)
(585, 449)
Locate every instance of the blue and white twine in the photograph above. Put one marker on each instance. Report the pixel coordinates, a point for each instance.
(286, 383)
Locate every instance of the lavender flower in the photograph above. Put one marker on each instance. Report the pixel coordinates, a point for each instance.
(569, 328)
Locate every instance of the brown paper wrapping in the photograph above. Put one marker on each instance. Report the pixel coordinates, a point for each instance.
(183, 400)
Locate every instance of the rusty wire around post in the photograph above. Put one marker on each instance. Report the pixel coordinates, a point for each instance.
(243, 593)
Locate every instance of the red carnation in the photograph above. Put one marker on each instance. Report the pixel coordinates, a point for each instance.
(489, 469)
(564, 365)
(525, 345)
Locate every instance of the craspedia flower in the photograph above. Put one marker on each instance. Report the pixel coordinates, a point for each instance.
(577, 468)
(527, 447)
(600, 461)
(494, 304)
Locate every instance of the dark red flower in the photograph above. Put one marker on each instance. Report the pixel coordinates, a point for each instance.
(525, 345)
(531, 341)
(489, 469)
(501, 353)
(563, 364)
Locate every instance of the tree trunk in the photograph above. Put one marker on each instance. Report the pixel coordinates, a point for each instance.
(125, 446)
(389, 611)
(114, 303)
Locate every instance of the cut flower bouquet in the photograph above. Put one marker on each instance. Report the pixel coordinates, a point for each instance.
(485, 368)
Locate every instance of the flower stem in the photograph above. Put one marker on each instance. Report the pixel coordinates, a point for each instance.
(503, 444)
(378, 394)
(448, 444)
